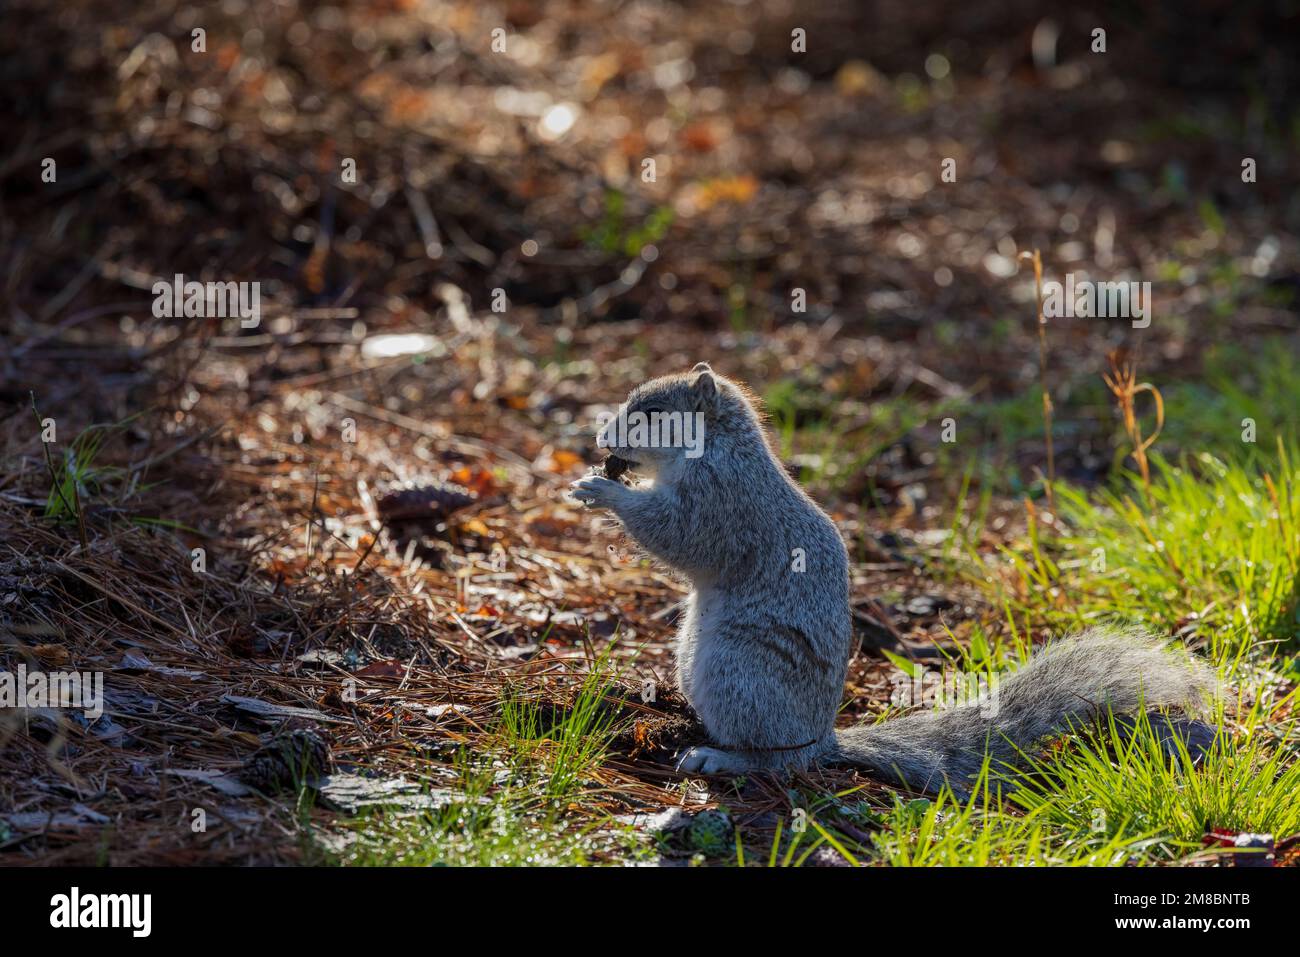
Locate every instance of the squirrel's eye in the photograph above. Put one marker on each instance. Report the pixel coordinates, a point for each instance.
(651, 410)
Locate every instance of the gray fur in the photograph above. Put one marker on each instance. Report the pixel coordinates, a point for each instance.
(1063, 686)
(763, 648)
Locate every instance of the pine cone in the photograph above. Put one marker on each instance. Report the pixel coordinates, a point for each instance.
(428, 501)
(614, 467)
(287, 761)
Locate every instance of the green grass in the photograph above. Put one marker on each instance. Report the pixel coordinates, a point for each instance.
(994, 826)
(1211, 550)
(1125, 786)
(515, 802)
(76, 477)
(1235, 391)
(1208, 415)
(616, 234)
(1211, 553)
(815, 820)
(985, 831)
(487, 824)
(561, 751)
(834, 444)
(1105, 797)
(80, 480)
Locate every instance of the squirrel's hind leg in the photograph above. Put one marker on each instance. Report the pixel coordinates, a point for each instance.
(706, 760)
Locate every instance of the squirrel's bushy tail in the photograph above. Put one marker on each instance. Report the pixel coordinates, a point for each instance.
(1066, 684)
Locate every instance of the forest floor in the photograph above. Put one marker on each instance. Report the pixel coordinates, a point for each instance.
(342, 607)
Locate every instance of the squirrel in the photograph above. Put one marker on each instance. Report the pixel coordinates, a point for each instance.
(765, 638)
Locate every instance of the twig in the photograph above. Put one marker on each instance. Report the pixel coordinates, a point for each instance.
(1037, 260)
(1122, 381)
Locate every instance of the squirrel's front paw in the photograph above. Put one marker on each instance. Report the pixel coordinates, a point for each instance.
(595, 491)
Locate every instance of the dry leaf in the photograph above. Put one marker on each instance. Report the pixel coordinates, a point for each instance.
(479, 481)
(51, 654)
(729, 189)
(701, 136)
(562, 460)
(387, 668)
(859, 78)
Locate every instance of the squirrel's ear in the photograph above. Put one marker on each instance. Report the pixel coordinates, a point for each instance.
(702, 367)
(704, 387)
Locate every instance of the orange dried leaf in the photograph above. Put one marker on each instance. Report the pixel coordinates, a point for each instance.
(562, 460)
(700, 136)
(475, 527)
(388, 668)
(51, 654)
(479, 481)
(730, 189)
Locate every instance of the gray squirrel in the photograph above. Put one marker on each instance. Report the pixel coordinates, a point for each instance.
(765, 636)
